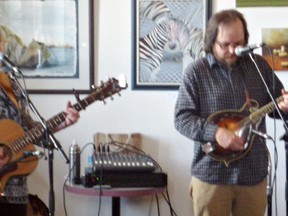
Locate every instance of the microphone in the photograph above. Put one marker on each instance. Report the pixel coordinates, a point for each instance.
(239, 50)
(38, 154)
(8, 63)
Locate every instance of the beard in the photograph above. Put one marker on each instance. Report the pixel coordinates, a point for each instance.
(228, 61)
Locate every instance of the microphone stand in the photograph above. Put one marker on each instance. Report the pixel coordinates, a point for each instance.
(49, 140)
(284, 137)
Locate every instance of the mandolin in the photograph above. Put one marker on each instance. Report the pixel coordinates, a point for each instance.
(17, 142)
(244, 123)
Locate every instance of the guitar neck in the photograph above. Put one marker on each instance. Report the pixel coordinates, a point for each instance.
(58, 119)
(35, 134)
(260, 113)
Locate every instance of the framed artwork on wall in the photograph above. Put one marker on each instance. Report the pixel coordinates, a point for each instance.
(261, 3)
(277, 41)
(167, 36)
(51, 43)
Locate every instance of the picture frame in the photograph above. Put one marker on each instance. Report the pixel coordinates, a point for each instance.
(167, 35)
(276, 40)
(261, 3)
(56, 43)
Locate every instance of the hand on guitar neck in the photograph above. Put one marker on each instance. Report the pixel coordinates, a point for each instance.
(229, 140)
(72, 116)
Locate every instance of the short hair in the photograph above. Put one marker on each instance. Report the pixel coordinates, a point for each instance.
(222, 17)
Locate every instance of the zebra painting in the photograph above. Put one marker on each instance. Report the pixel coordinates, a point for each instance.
(156, 11)
(151, 51)
(194, 49)
(170, 40)
(151, 14)
(170, 36)
(188, 40)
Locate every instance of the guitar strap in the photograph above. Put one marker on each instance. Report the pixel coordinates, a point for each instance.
(6, 85)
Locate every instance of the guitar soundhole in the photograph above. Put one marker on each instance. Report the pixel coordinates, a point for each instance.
(229, 123)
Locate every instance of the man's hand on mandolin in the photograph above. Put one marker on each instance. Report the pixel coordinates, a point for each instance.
(4, 158)
(228, 140)
(283, 105)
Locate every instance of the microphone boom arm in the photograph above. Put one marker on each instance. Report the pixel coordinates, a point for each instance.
(270, 94)
(286, 129)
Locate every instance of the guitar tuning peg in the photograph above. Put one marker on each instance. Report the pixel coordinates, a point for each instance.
(112, 98)
(93, 86)
(104, 102)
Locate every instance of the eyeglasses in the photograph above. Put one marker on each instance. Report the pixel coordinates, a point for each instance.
(226, 46)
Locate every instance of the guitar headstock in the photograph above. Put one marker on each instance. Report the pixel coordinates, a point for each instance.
(109, 88)
(122, 81)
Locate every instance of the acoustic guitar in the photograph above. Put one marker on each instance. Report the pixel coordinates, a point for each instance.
(17, 142)
(244, 123)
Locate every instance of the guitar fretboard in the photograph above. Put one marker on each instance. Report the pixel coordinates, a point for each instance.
(260, 113)
(106, 89)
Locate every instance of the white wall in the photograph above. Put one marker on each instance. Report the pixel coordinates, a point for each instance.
(147, 112)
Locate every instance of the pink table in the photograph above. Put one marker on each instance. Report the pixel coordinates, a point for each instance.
(115, 193)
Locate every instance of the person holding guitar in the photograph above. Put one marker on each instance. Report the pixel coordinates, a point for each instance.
(13, 107)
(221, 106)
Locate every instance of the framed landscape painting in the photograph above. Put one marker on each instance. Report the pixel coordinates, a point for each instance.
(50, 42)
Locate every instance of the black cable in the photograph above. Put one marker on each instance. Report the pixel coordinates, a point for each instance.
(100, 182)
(139, 151)
(136, 150)
(158, 206)
(172, 212)
(274, 180)
(275, 177)
(63, 191)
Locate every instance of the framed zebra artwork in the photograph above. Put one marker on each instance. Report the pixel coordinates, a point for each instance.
(167, 36)
(50, 42)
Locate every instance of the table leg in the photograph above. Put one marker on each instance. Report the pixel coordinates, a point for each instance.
(115, 206)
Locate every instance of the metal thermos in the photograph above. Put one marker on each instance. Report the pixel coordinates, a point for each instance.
(74, 166)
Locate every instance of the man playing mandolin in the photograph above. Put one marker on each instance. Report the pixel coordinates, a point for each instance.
(14, 107)
(215, 105)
